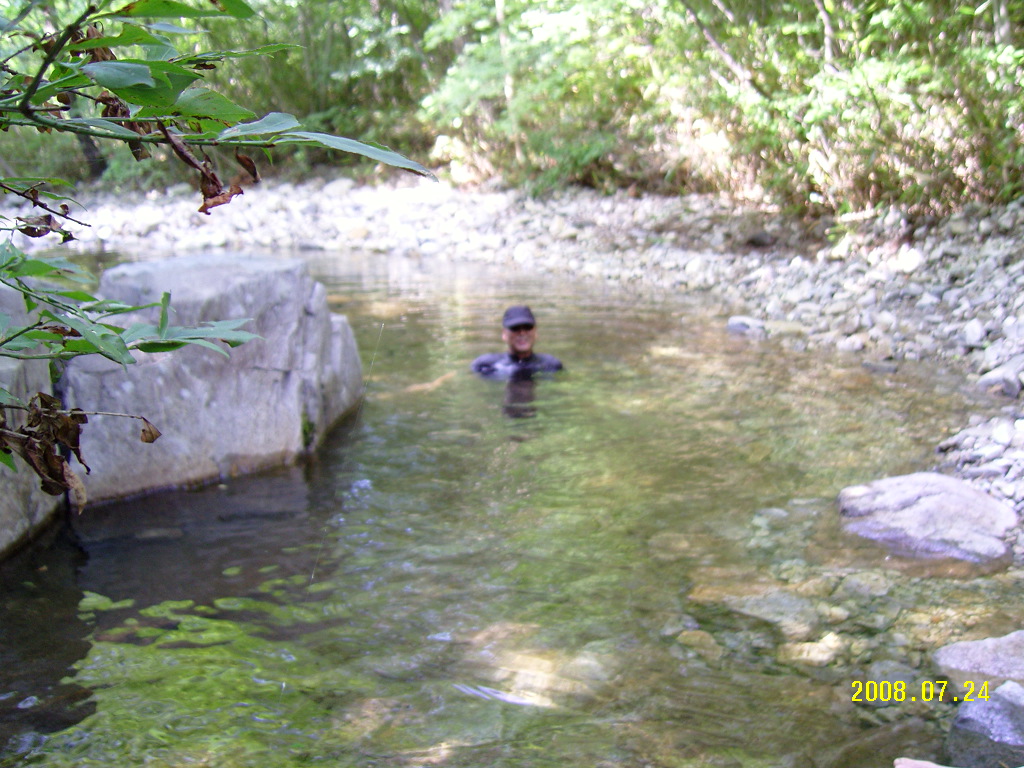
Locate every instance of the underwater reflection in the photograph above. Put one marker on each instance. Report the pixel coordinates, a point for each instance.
(519, 396)
(42, 636)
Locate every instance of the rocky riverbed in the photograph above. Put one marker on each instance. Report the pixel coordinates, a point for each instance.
(876, 285)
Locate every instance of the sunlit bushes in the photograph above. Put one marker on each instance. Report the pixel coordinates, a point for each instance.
(819, 105)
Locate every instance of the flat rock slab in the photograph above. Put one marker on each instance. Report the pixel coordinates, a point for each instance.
(994, 660)
(929, 515)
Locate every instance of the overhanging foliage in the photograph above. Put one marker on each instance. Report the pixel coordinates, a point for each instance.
(126, 73)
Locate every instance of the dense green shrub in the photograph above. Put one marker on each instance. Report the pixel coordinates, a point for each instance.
(818, 103)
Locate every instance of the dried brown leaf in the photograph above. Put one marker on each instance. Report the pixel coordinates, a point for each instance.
(61, 330)
(222, 199)
(38, 226)
(139, 151)
(101, 53)
(248, 165)
(149, 432)
(76, 487)
(42, 457)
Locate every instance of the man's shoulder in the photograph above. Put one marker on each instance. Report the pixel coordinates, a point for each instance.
(485, 363)
(547, 362)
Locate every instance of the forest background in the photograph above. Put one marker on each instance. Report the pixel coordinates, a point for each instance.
(816, 105)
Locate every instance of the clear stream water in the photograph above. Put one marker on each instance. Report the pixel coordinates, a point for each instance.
(467, 575)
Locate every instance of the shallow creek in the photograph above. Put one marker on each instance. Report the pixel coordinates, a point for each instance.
(468, 575)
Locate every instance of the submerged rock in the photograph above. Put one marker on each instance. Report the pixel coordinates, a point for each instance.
(820, 653)
(926, 514)
(794, 616)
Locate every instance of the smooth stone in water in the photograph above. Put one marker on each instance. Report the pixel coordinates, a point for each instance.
(926, 514)
(744, 325)
(793, 615)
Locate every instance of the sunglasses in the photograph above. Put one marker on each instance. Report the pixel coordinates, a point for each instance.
(521, 328)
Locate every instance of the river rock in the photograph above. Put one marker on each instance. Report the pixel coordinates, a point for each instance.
(994, 660)
(926, 514)
(1005, 378)
(23, 505)
(794, 616)
(820, 653)
(743, 325)
(989, 734)
(270, 401)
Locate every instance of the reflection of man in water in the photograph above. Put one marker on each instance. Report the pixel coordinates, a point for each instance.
(519, 331)
(519, 364)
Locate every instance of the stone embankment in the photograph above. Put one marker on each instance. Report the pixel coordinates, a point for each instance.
(880, 286)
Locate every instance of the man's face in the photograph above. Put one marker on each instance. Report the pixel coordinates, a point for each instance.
(520, 339)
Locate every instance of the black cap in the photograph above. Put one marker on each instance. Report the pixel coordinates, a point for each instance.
(518, 316)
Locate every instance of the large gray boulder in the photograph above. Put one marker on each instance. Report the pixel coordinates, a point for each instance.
(994, 660)
(989, 733)
(23, 506)
(272, 400)
(929, 515)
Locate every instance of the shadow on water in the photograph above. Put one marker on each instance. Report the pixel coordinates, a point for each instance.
(445, 585)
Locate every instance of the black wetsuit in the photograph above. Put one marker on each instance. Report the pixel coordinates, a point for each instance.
(503, 365)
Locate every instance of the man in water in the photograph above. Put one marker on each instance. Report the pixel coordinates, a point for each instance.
(519, 332)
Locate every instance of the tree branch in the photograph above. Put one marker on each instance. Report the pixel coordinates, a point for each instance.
(51, 56)
(737, 69)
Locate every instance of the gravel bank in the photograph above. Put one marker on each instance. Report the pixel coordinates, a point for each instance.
(879, 286)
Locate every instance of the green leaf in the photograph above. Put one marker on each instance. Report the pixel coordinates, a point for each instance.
(169, 80)
(202, 102)
(113, 307)
(275, 122)
(236, 8)
(109, 127)
(25, 182)
(76, 295)
(116, 75)
(169, 29)
(173, 9)
(7, 460)
(106, 343)
(217, 56)
(32, 268)
(380, 154)
(66, 83)
(165, 302)
(6, 398)
(13, 23)
(130, 35)
(149, 338)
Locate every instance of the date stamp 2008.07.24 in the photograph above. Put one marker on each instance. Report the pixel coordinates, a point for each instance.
(876, 691)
